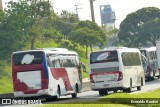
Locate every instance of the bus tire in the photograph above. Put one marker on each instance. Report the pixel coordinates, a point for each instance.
(124, 90)
(58, 93)
(115, 91)
(103, 92)
(74, 95)
(139, 87)
(129, 90)
(154, 71)
(159, 73)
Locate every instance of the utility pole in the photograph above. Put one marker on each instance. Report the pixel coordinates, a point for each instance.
(77, 9)
(1, 5)
(92, 10)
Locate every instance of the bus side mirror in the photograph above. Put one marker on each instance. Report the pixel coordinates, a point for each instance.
(79, 66)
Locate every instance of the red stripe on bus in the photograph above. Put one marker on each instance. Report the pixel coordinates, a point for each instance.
(58, 73)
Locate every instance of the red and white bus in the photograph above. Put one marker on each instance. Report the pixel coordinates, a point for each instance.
(48, 73)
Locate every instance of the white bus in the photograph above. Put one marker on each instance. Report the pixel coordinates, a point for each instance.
(116, 69)
(48, 73)
(152, 62)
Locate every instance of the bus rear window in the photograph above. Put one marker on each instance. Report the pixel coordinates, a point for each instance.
(27, 58)
(105, 56)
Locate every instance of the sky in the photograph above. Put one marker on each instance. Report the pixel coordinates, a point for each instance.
(121, 7)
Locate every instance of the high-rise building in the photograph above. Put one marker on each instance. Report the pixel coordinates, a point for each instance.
(107, 15)
(1, 6)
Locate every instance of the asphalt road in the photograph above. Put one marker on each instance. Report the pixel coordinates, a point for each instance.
(91, 95)
(149, 86)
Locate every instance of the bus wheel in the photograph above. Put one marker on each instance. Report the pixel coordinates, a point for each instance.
(115, 90)
(124, 90)
(139, 87)
(58, 93)
(103, 92)
(159, 74)
(129, 90)
(74, 95)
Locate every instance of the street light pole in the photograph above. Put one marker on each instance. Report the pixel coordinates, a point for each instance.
(92, 10)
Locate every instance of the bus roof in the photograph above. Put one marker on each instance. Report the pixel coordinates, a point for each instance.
(115, 48)
(148, 48)
(121, 49)
(50, 50)
(53, 49)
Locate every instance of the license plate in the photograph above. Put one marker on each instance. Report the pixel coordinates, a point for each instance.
(30, 88)
(105, 85)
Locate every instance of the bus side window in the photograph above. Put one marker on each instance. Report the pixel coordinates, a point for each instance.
(124, 58)
(53, 63)
(65, 63)
(49, 61)
(57, 63)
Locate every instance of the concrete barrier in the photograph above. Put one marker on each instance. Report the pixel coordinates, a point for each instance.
(86, 85)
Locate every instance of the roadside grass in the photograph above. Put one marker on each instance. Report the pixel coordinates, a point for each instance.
(148, 98)
(115, 100)
(6, 85)
(125, 98)
(85, 105)
(5, 78)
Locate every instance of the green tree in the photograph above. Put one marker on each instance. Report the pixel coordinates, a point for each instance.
(12, 28)
(134, 23)
(66, 23)
(111, 34)
(24, 22)
(150, 32)
(88, 34)
(52, 33)
(99, 38)
(85, 36)
(40, 12)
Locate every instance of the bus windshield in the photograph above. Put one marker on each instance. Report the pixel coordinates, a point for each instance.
(28, 58)
(105, 56)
